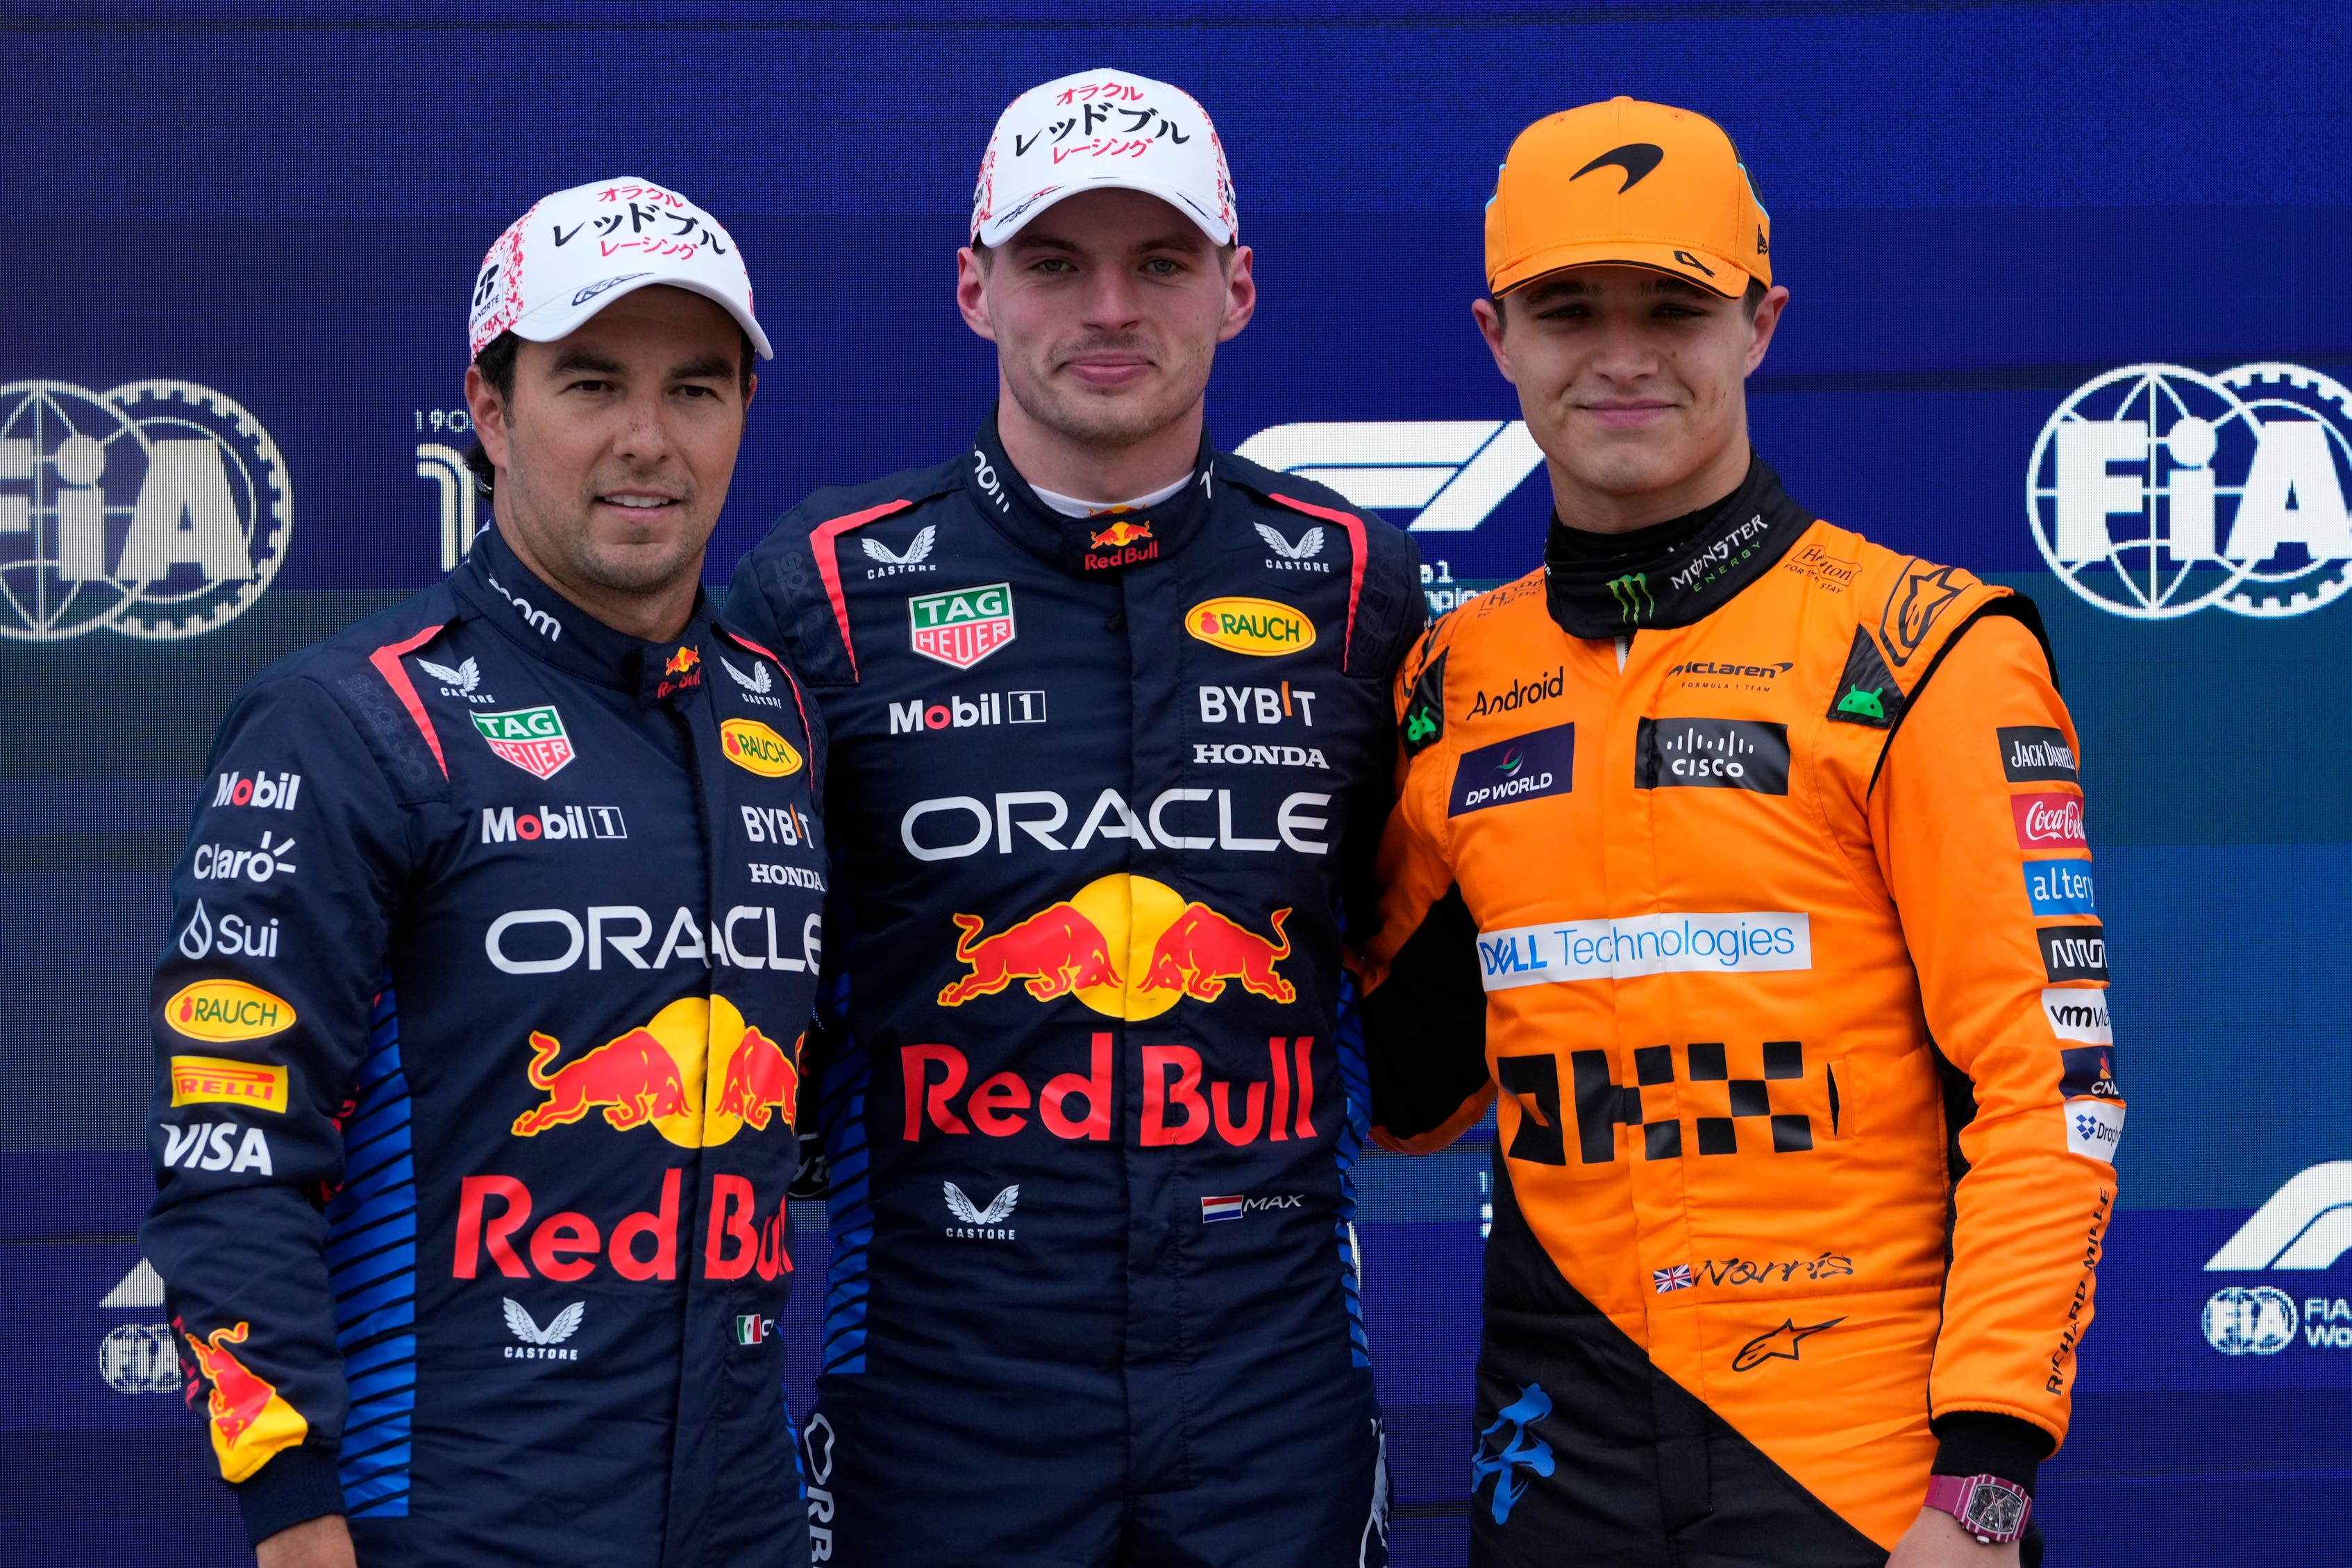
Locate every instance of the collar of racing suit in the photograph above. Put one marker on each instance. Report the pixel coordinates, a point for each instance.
(1099, 546)
(513, 597)
(1674, 573)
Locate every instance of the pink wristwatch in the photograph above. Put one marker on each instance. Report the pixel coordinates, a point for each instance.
(1993, 1511)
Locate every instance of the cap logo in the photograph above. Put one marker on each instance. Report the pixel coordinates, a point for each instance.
(1636, 158)
(1687, 259)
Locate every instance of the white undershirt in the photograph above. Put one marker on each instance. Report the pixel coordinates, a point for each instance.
(1071, 506)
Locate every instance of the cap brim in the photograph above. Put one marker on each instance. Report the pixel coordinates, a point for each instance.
(554, 320)
(997, 230)
(1710, 270)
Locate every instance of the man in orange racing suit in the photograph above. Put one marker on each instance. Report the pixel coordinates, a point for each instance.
(1746, 859)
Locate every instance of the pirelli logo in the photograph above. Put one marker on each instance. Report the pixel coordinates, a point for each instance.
(201, 1080)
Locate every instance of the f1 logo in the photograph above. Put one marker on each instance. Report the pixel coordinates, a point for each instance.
(1457, 471)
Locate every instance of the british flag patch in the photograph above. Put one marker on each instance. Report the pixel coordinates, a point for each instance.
(1678, 1277)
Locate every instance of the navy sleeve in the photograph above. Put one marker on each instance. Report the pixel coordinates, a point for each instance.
(261, 1002)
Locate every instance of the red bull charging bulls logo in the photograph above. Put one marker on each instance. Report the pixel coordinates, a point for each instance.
(1126, 947)
(697, 1073)
(248, 1421)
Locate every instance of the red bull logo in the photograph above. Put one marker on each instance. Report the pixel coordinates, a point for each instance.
(1119, 535)
(492, 1211)
(760, 1079)
(1180, 1104)
(657, 1074)
(682, 672)
(1202, 950)
(1055, 951)
(1127, 946)
(248, 1422)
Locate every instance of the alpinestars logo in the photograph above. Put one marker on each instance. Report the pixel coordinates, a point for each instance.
(979, 1224)
(757, 686)
(916, 556)
(541, 1344)
(1288, 557)
(461, 682)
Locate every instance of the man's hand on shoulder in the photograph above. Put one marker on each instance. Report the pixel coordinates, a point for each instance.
(321, 1543)
(1937, 1541)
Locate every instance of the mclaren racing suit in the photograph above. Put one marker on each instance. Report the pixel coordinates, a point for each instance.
(1754, 862)
(1090, 1110)
(477, 1059)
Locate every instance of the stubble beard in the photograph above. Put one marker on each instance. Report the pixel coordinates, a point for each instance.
(1110, 421)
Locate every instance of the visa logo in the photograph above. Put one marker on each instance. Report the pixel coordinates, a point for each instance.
(2060, 887)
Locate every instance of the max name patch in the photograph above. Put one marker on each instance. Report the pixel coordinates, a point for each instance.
(1524, 768)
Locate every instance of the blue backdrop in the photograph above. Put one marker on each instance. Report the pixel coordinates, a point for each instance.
(255, 227)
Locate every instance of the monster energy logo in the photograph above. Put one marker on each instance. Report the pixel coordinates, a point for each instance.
(1632, 593)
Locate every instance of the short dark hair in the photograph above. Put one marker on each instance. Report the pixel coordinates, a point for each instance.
(1749, 302)
(497, 363)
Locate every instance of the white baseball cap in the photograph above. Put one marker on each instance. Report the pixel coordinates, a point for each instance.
(1097, 130)
(577, 251)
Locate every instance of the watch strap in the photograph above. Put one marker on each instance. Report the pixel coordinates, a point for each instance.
(1956, 1495)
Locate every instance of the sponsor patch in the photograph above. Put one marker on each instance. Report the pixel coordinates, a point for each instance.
(2073, 952)
(2060, 887)
(1215, 1208)
(2032, 752)
(2094, 1127)
(532, 738)
(963, 625)
(1562, 953)
(1711, 754)
(1258, 627)
(226, 1009)
(206, 1080)
(2089, 1072)
(2049, 819)
(1524, 768)
(753, 747)
(2078, 1015)
(1867, 692)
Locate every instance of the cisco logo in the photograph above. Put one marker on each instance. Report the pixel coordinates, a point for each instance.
(157, 509)
(2157, 491)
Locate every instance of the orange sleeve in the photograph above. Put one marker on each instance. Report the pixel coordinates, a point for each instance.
(1976, 814)
(1424, 1008)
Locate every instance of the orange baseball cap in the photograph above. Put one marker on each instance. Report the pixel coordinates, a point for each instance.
(1631, 183)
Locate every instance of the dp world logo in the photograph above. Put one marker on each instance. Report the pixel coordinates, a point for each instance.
(159, 510)
(2157, 491)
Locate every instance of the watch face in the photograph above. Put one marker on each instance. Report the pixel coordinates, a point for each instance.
(1996, 1510)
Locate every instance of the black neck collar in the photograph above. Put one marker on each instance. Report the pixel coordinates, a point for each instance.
(513, 597)
(1101, 546)
(1673, 573)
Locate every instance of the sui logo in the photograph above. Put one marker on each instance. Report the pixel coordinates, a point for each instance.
(159, 510)
(2156, 491)
(1520, 1449)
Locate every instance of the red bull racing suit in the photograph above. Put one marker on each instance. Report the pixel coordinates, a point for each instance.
(1099, 789)
(478, 1042)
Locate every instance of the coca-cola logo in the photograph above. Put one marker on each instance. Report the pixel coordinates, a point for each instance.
(2049, 821)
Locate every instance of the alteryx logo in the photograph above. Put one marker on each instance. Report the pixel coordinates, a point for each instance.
(2060, 887)
(1454, 471)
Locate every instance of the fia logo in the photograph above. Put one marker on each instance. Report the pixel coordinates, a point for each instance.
(1457, 471)
(2157, 491)
(159, 510)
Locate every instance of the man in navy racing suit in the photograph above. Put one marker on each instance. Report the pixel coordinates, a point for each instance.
(477, 1035)
(1110, 746)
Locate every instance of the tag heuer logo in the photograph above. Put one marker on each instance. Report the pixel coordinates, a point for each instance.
(532, 738)
(963, 626)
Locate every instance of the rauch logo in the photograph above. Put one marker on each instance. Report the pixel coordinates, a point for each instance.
(1258, 627)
